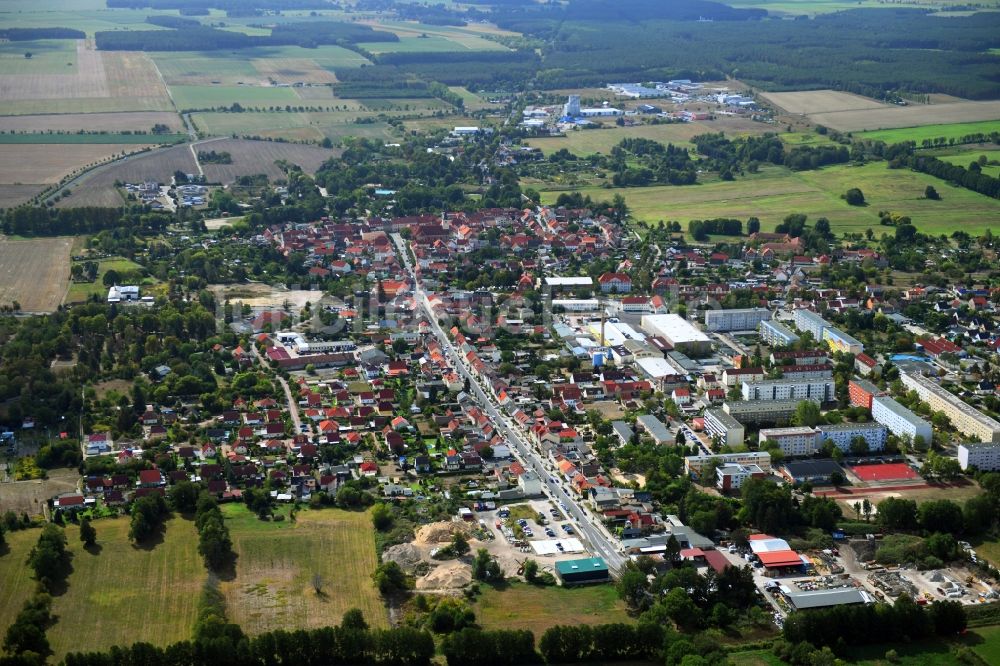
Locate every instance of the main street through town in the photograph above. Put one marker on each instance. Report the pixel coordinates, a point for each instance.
(601, 541)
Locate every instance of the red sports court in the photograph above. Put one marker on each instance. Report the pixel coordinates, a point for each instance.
(887, 472)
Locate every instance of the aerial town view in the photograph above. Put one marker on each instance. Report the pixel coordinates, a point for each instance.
(475, 332)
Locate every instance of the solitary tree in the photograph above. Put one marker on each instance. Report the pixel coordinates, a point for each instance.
(854, 197)
(88, 535)
(931, 193)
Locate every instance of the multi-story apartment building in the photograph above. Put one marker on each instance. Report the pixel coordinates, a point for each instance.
(967, 419)
(722, 427)
(984, 456)
(746, 319)
(839, 341)
(762, 411)
(776, 334)
(732, 476)
(899, 420)
(862, 391)
(798, 441)
(807, 320)
(821, 390)
(843, 434)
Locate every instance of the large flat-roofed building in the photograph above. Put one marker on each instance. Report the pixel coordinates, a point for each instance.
(722, 427)
(984, 456)
(655, 428)
(762, 411)
(844, 596)
(585, 570)
(842, 434)
(695, 465)
(798, 441)
(813, 471)
(862, 392)
(569, 282)
(807, 320)
(839, 341)
(776, 334)
(899, 420)
(678, 331)
(967, 419)
(731, 476)
(822, 390)
(744, 319)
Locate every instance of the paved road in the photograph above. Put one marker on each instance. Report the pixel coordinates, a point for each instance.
(601, 542)
(293, 405)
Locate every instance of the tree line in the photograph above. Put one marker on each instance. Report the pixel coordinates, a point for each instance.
(31, 34)
(729, 156)
(970, 178)
(42, 221)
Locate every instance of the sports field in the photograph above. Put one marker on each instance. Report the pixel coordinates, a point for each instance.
(523, 606)
(886, 472)
(277, 561)
(918, 134)
(34, 272)
(775, 192)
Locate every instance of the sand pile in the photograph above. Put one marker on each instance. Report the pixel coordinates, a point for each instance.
(449, 576)
(406, 555)
(434, 534)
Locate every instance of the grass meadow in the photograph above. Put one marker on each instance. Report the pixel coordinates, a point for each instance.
(523, 606)
(775, 192)
(918, 134)
(206, 97)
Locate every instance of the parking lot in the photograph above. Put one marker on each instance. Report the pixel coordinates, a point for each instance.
(536, 529)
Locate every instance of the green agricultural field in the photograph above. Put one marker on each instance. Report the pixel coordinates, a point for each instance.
(473, 102)
(971, 155)
(87, 18)
(48, 56)
(91, 138)
(585, 142)
(119, 594)
(246, 65)
(417, 44)
(203, 97)
(438, 38)
(776, 192)
(918, 134)
(813, 7)
(523, 606)
(17, 582)
(277, 561)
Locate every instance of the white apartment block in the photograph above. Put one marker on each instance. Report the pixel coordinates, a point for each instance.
(822, 390)
(723, 427)
(777, 334)
(843, 434)
(792, 441)
(732, 476)
(984, 456)
(899, 420)
(807, 320)
(967, 419)
(746, 319)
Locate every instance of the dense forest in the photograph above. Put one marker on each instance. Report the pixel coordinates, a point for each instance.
(37, 221)
(190, 35)
(734, 155)
(226, 5)
(864, 51)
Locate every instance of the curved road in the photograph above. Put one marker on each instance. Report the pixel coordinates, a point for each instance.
(601, 541)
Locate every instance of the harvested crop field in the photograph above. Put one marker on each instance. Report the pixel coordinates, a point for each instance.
(91, 122)
(34, 272)
(808, 102)
(49, 163)
(15, 195)
(585, 142)
(276, 563)
(292, 70)
(103, 81)
(908, 116)
(253, 157)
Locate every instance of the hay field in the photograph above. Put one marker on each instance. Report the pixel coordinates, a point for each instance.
(211, 97)
(253, 157)
(17, 582)
(807, 102)
(48, 56)
(101, 81)
(120, 594)
(276, 562)
(95, 122)
(918, 134)
(34, 272)
(43, 163)
(909, 116)
(292, 70)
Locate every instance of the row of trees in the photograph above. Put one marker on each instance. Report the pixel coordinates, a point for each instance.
(38, 221)
(970, 178)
